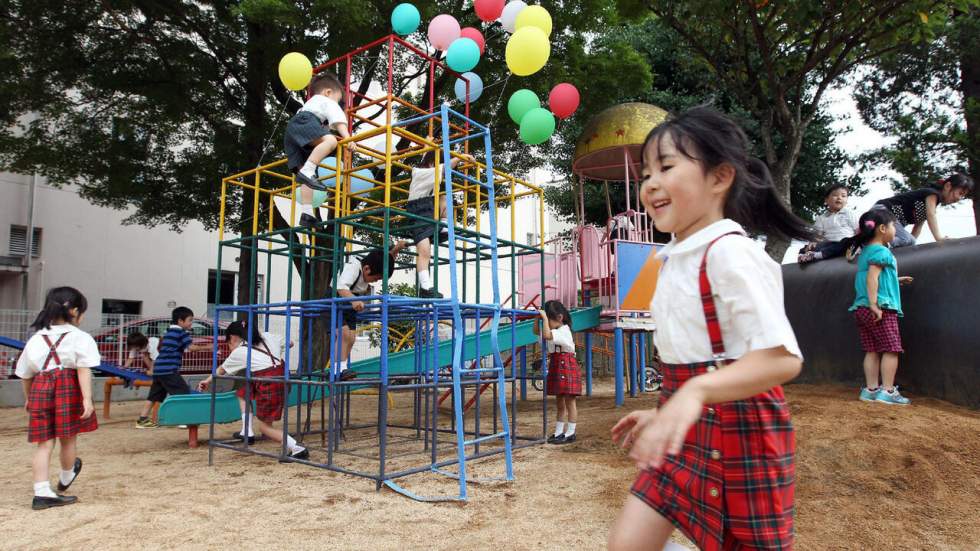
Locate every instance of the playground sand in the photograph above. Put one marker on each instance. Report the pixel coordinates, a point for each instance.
(868, 476)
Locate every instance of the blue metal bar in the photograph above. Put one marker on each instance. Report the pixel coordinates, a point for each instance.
(634, 346)
(618, 346)
(643, 361)
(588, 363)
(485, 438)
(523, 373)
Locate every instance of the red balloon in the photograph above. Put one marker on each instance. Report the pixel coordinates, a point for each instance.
(475, 35)
(563, 100)
(488, 10)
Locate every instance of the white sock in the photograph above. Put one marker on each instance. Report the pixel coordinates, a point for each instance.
(43, 489)
(425, 280)
(671, 546)
(251, 426)
(559, 428)
(66, 477)
(569, 430)
(292, 445)
(309, 169)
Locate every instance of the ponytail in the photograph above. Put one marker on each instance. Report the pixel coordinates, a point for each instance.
(869, 223)
(958, 180)
(58, 305)
(238, 329)
(710, 138)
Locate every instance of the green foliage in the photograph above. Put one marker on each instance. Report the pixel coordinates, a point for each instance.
(397, 329)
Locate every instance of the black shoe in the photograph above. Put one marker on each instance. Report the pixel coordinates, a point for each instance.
(566, 439)
(303, 454)
(310, 182)
(308, 221)
(77, 469)
(348, 374)
(238, 436)
(556, 439)
(429, 293)
(48, 502)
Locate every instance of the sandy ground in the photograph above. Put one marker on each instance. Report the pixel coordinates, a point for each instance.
(870, 476)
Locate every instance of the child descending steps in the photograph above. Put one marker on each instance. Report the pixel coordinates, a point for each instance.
(877, 307)
(55, 367)
(268, 395)
(564, 380)
(726, 347)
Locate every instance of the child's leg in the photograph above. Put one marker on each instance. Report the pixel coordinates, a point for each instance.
(424, 250)
(68, 452)
(42, 460)
(889, 366)
(275, 435)
(251, 423)
(347, 345)
(560, 422)
(156, 411)
(322, 147)
(639, 527)
(872, 364)
(147, 406)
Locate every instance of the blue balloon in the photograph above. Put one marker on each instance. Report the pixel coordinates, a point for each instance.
(361, 180)
(327, 175)
(476, 87)
(463, 54)
(405, 19)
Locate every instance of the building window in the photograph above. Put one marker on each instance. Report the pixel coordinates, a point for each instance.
(129, 307)
(18, 241)
(533, 239)
(227, 287)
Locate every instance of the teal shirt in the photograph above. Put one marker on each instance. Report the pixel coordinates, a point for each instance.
(889, 297)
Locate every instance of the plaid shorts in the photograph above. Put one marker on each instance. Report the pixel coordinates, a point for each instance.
(731, 486)
(55, 406)
(878, 336)
(563, 375)
(268, 396)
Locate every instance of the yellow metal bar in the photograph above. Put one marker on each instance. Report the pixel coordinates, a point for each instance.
(221, 210)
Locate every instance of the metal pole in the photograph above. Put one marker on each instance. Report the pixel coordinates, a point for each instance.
(25, 283)
(588, 364)
(618, 345)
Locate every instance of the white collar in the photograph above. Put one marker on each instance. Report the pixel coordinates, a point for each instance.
(57, 329)
(175, 326)
(701, 238)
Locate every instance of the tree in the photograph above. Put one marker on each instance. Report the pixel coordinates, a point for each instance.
(678, 81)
(778, 58)
(147, 104)
(926, 96)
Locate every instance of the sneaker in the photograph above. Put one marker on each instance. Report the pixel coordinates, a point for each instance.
(48, 502)
(313, 183)
(567, 439)
(301, 454)
(556, 439)
(308, 221)
(348, 374)
(146, 423)
(77, 469)
(869, 395)
(429, 293)
(894, 398)
(238, 436)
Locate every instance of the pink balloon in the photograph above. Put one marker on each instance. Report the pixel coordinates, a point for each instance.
(563, 100)
(488, 10)
(443, 30)
(475, 35)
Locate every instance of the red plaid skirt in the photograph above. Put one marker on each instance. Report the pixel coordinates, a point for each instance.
(878, 336)
(563, 374)
(731, 486)
(55, 406)
(268, 396)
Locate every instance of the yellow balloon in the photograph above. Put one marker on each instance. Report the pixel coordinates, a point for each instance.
(295, 71)
(534, 16)
(527, 51)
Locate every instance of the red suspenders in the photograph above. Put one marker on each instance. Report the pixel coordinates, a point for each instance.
(53, 352)
(708, 304)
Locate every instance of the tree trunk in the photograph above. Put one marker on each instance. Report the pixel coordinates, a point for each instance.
(969, 44)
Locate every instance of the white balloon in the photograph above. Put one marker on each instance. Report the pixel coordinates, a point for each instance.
(509, 17)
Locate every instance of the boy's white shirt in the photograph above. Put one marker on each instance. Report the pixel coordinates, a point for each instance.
(78, 349)
(748, 293)
(834, 226)
(325, 109)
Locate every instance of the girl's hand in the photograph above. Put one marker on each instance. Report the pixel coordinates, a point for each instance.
(87, 408)
(905, 280)
(666, 436)
(204, 384)
(876, 311)
(543, 315)
(357, 305)
(625, 430)
(27, 406)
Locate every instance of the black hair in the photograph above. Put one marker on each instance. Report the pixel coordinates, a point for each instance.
(181, 313)
(958, 180)
(375, 261)
(325, 81)
(428, 160)
(237, 329)
(57, 304)
(869, 223)
(832, 188)
(710, 138)
(137, 340)
(556, 311)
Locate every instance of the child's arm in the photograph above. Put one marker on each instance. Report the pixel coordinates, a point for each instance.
(931, 202)
(874, 271)
(26, 385)
(85, 383)
(147, 363)
(203, 347)
(545, 328)
(454, 162)
(128, 363)
(205, 383)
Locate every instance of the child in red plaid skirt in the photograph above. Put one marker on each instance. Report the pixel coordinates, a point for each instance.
(716, 455)
(269, 396)
(564, 381)
(55, 367)
(878, 305)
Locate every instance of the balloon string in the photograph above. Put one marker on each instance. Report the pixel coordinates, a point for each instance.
(268, 141)
(496, 109)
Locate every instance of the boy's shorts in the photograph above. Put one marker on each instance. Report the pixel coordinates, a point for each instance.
(302, 129)
(423, 207)
(171, 383)
(350, 319)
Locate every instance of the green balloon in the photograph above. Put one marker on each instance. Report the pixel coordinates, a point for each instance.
(537, 126)
(520, 103)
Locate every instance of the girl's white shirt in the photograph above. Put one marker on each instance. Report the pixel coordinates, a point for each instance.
(748, 291)
(561, 340)
(78, 349)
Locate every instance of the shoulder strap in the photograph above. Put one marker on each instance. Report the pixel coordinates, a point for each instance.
(708, 303)
(265, 350)
(53, 351)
